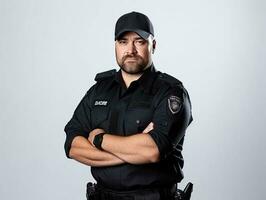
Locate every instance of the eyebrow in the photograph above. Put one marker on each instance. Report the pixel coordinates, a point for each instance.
(135, 38)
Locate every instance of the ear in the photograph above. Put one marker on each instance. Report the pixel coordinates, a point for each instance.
(153, 45)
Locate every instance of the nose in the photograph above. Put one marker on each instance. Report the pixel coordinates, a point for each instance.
(131, 48)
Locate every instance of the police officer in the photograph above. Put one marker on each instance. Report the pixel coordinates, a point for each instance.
(130, 125)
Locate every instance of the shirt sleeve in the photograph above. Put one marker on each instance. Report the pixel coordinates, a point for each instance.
(171, 118)
(79, 124)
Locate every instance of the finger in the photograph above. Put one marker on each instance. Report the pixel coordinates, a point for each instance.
(148, 128)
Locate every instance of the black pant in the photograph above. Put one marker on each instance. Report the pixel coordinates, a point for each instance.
(96, 192)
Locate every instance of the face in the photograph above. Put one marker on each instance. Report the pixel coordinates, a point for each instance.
(133, 53)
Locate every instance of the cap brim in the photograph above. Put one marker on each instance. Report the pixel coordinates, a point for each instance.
(141, 33)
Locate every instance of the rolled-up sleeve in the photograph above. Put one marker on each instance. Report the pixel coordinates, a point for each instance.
(171, 118)
(79, 124)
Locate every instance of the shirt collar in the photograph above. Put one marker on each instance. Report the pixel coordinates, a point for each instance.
(145, 81)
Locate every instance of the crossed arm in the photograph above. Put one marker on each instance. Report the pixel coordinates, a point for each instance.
(136, 149)
(83, 151)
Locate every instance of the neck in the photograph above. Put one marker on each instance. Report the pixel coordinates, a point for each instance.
(129, 78)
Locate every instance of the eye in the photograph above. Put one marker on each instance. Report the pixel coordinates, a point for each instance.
(140, 42)
(122, 42)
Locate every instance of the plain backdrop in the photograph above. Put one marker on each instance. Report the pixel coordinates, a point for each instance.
(51, 50)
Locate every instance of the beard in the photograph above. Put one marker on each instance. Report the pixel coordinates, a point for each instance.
(133, 64)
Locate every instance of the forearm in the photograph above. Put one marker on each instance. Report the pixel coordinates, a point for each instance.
(82, 151)
(136, 149)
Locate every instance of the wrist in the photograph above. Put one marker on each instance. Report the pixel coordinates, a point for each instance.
(98, 140)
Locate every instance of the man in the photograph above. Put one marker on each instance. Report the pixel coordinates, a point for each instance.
(130, 125)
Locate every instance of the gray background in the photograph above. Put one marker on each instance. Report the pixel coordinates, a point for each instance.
(51, 50)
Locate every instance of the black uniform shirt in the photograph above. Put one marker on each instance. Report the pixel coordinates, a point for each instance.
(155, 97)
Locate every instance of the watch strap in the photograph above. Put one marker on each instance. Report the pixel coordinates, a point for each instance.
(98, 140)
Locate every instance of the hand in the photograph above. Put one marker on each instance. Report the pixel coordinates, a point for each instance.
(149, 128)
(93, 133)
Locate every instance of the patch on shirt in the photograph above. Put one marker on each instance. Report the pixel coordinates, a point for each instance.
(100, 103)
(174, 104)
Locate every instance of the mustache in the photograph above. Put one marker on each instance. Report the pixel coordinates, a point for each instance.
(130, 56)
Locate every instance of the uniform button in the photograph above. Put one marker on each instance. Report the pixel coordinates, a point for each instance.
(137, 121)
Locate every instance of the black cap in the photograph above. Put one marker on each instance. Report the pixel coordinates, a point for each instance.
(136, 22)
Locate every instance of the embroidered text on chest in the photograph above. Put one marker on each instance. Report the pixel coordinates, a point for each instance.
(100, 103)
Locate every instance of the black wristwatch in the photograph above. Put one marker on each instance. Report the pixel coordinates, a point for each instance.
(98, 140)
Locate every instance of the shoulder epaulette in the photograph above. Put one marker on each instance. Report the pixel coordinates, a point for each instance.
(170, 79)
(104, 75)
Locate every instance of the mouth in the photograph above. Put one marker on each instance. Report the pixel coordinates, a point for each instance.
(131, 59)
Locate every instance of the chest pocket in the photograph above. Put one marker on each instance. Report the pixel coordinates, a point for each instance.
(137, 118)
(99, 116)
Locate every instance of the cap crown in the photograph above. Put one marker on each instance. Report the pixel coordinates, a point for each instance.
(136, 22)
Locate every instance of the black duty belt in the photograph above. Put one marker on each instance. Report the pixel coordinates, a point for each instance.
(98, 192)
